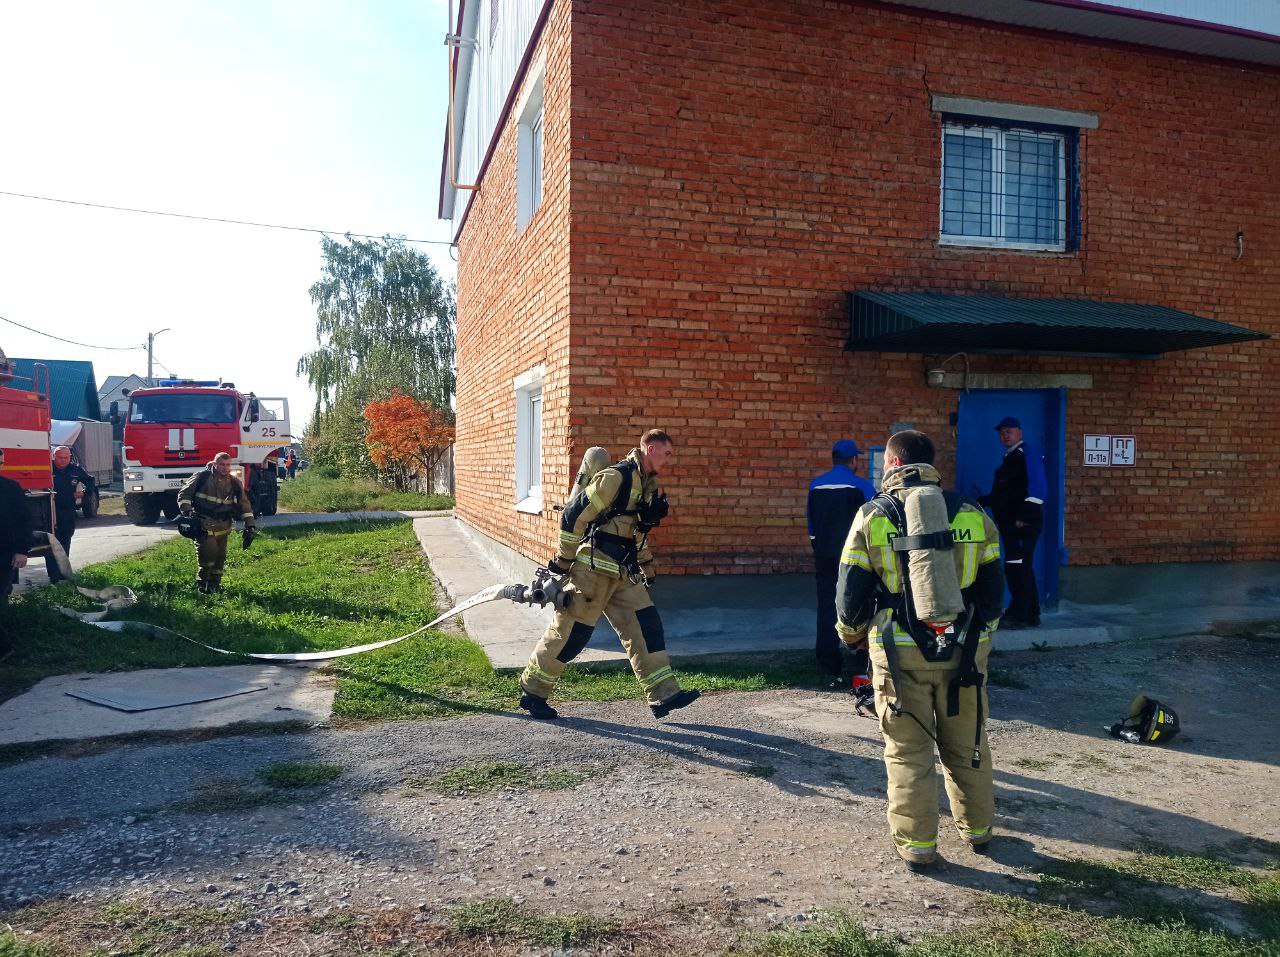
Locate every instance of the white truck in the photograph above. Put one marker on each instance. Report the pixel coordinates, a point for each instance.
(91, 449)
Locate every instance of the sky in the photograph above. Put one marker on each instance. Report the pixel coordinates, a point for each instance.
(317, 113)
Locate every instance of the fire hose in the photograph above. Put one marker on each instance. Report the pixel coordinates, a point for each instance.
(546, 589)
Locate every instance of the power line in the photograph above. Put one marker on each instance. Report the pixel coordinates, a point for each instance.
(217, 219)
(85, 345)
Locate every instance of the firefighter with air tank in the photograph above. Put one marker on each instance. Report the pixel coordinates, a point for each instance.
(921, 587)
(210, 502)
(606, 566)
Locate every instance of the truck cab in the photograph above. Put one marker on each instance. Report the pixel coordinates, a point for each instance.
(173, 430)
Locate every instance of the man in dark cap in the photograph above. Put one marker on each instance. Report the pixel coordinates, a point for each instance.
(1017, 504)
(834, 499)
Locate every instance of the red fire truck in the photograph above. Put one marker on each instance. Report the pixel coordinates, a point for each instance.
(24, 436)
(173, 429)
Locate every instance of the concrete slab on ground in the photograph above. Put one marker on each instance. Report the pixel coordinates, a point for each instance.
(48, 713)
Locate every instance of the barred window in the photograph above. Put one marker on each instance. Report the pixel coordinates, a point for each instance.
(1007, 187)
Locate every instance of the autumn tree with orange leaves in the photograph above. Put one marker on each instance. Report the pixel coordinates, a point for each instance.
(407, 438)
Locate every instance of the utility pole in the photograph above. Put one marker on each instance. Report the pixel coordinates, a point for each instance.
(151, 338)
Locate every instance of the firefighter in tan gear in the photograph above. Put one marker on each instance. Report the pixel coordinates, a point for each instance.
(605, 556)
(928, 673)
(217, 498)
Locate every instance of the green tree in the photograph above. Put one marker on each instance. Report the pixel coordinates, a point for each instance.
(384, 321)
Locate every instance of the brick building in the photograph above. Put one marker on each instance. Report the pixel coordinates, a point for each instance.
(767, 224)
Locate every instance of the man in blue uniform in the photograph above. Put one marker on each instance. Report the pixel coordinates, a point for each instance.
(65, 476)
(1017, 504)
(834, 499)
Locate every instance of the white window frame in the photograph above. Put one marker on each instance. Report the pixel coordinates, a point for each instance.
(528, 452)
(997, 134)
(530, 152)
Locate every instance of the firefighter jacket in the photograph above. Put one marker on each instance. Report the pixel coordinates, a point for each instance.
(1019, 489)
(216, 497)
(869, 568)
(616, 546)
(834, 498)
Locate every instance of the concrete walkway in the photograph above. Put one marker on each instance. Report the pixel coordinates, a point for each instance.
(508, 632)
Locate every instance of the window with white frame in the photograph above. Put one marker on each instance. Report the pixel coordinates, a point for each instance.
(528, 389)
(529, 151)
(1007, 186)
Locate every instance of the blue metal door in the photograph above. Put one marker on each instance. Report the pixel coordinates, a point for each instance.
(1042, 413)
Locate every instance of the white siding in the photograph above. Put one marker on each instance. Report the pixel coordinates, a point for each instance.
(485, 76)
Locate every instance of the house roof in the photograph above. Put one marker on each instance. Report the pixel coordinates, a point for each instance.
(933, 323)
(73, 389)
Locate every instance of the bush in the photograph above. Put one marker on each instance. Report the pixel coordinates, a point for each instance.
(326, 471)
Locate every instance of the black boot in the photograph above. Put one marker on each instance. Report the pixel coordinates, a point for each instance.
(537, 707)
(677, 700)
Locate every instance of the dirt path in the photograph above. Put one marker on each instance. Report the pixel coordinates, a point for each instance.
(750, 810)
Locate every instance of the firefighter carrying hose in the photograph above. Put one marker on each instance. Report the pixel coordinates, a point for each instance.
(604, 556)
(216, 498)
(921, 583)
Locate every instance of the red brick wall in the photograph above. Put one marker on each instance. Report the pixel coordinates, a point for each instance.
(738, 166)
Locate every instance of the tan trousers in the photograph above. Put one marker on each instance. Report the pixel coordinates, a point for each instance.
(211, 551)
(633, 616)
(909, 760)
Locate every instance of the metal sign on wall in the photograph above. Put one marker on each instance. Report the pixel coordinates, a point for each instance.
(1110, 451)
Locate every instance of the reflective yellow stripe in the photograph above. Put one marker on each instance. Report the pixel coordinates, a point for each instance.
(919, 844)
(990, 553)
(969, 567)
(595, 499)
(218, 500)
(659, 676)
(977, 832)
(902, 638)
(535, 672)
(856, 556)
(598, 561)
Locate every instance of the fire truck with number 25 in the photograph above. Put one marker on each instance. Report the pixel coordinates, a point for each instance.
(172, 430)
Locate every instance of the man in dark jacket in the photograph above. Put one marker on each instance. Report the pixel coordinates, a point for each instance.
(834, 499)
(1017, 504)
(15, 540)
(65, 476)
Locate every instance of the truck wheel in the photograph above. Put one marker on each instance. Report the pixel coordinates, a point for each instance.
(169, 505)
(142, 508)
(89, 504)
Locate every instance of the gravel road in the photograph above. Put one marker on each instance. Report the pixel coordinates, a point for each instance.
(768, 804)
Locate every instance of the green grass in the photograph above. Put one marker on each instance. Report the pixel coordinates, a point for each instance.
(299, 774)
(303, 588)
(317, 492)
(503, 918)
(485, 776)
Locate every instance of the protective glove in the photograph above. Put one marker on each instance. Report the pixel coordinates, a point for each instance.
(554, 566)
(185, 510)
(650, 571)
(650, 514)
(250, 533)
